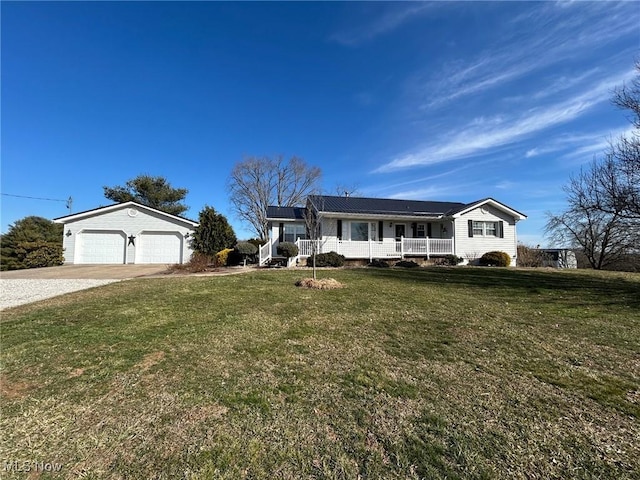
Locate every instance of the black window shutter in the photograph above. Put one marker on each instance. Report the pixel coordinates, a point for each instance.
(339, 230)
(281, 232)
(414, 229)
(429, 229)
(470, 223)
(501, 229)
(380, 229)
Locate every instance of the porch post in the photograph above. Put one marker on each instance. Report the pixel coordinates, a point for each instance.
(370, 254)
(453, 237)
(428, 242)
(402, 247)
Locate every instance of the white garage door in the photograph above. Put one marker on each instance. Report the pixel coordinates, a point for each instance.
(102, 246)
(159, 247)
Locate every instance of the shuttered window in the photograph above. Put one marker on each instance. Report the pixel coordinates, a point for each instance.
(486, 229)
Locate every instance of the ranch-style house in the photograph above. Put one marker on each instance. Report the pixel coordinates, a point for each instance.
(377, 228)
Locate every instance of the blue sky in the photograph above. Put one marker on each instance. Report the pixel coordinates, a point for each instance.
(435, 101)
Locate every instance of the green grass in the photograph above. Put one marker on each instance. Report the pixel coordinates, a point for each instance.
(422, 373)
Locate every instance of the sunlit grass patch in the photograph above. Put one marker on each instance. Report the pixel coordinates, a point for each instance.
(421, 373)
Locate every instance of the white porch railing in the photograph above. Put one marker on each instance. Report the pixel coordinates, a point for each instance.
(371, 249)
(264, 253)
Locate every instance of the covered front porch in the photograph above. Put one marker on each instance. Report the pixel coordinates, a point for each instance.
(369, 249)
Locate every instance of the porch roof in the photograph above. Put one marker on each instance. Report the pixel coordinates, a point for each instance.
(285, 213)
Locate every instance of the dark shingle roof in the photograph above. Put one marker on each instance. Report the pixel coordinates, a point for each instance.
(288, 213)
(378, 206)
(384, 206)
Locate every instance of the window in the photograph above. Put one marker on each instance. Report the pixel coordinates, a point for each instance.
(420, 231)
(359, 231)
(485, 229)
(293, 231)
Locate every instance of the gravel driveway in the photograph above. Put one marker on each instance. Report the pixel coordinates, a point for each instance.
(18, 287)
(14, 292)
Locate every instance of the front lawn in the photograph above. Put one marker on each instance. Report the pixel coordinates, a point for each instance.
(421, 373)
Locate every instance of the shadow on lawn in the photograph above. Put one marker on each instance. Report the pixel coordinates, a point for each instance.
(605, 289)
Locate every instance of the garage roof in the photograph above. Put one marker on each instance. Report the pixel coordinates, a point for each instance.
(116, 206)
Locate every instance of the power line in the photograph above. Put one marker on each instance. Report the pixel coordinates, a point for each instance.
(34, 198)
(68, 201)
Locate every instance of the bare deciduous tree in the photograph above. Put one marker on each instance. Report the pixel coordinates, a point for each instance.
(257, 182)
(603, 214)
(628, 97)
(619, 187)
(313, 222)
(601, 235)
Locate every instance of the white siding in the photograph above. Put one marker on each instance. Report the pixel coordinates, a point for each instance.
(471, 248)
(123, 220)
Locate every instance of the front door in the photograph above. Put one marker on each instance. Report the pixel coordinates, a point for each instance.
(399, 231)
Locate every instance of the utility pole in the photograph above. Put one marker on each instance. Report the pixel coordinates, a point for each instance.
(70, 204)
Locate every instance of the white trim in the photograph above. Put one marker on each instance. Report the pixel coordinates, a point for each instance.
(283, 220)
(117, 206)
(490, 201)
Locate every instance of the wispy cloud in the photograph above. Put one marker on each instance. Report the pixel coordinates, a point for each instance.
(389, 20)
(505, 185)
(430, 192)
(562, 83)
(479, 136)
(596, 144)
(530, 42)
(583, 145)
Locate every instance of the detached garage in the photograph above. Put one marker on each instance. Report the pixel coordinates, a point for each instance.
(126, 233)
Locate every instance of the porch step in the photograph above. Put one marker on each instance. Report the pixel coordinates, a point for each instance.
(276, 262)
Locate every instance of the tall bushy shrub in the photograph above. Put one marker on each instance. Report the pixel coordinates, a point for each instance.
(31, 242)
(213, 233)
(287, 249)
(40, 254)
(495, 259)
